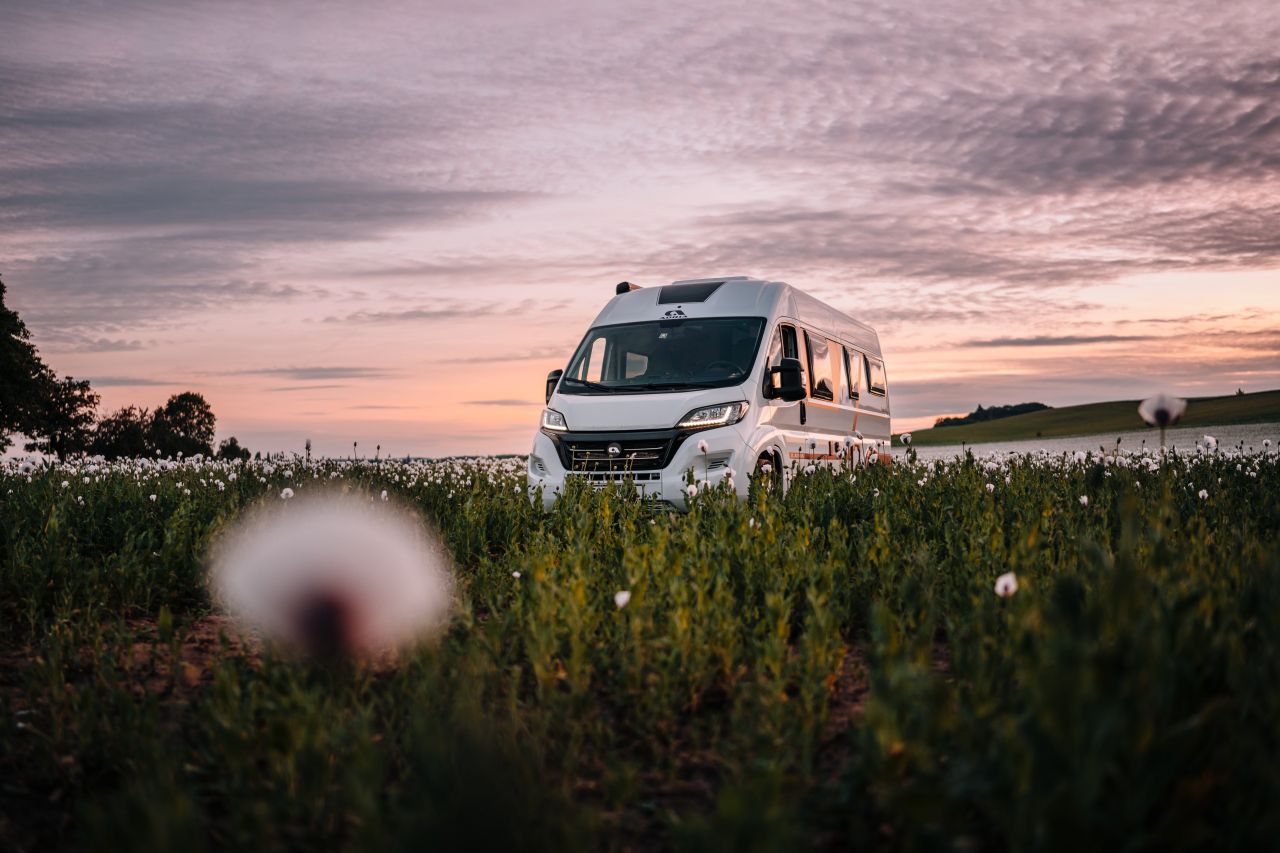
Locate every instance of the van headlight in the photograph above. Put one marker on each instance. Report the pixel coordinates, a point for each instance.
(554, 421)
(714, 416)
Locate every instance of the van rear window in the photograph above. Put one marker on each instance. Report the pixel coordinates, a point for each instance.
(875, 376)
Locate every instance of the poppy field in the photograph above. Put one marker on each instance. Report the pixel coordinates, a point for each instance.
(1017, 653)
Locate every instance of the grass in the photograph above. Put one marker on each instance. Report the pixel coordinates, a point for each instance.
(1110, 417)
(831, 669)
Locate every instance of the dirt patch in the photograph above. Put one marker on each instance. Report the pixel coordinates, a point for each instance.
(185, 662)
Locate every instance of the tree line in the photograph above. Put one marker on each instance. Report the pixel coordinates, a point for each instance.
(59, 415)
(991, 413)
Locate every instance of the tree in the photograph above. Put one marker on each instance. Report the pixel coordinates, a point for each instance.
(230, 449)
(63, 417)
(124, 433)
(183, 425)
(25, 381)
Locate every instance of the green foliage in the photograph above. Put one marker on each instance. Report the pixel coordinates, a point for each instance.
(183, 426)
(64, 416)
(123, 434)
(230, 448)
(992, 413)
(830, 668)
(24, 378)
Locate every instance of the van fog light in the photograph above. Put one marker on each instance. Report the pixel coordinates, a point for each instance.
(723, 414)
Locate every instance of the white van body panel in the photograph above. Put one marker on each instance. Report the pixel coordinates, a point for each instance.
(797, 434)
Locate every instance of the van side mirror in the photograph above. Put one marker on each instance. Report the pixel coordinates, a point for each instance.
(786, 381)
(553, 379)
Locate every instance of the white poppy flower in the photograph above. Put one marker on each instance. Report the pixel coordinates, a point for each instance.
(286, 494)
(1162, 410)
(333, 575)
(621, 597)
(1084, 500)
(702, 445)
(906, 439)
(1006, 584)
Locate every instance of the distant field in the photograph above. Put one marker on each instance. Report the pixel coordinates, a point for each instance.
(1114, 416)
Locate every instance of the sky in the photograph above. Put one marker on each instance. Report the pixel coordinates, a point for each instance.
(385, 223)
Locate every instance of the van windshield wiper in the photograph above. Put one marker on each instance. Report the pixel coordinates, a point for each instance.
(587, 383)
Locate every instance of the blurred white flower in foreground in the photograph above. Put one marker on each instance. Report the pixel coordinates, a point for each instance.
(1006, 584)
(906, 438)
(621, 597)
(1084, 500)
(1203, 493)
(1162, 410)
(333, 576)
(1210, 442)
(702, 445)
(286, 494)
(991, 487)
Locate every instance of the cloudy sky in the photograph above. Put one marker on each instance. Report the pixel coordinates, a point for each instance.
(386, 222)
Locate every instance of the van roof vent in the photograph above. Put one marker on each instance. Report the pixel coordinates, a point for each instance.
(684, 293)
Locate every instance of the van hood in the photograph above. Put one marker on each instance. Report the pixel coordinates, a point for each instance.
(620, 412)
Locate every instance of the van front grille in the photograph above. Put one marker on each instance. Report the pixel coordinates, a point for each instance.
(630, 455)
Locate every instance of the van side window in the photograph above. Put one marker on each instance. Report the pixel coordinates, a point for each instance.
(790, 347)
(853, 369)
(875, 374)
(782, 346)
(822, 383)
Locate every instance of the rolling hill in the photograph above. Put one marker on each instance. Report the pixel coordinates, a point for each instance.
(1113, 416)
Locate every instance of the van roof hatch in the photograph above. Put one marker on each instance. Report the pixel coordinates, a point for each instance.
(683, 293)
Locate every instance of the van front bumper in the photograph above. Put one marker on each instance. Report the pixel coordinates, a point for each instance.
(659, 463)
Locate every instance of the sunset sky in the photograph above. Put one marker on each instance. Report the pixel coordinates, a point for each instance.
(386, 222)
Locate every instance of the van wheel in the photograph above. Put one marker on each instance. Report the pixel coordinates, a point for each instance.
(768, 473)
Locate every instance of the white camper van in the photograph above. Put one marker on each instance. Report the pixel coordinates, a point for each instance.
(711, 378)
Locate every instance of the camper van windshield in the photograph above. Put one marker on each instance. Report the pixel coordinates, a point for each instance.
(664, 355)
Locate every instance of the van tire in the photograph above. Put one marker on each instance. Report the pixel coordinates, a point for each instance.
(772, 480)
